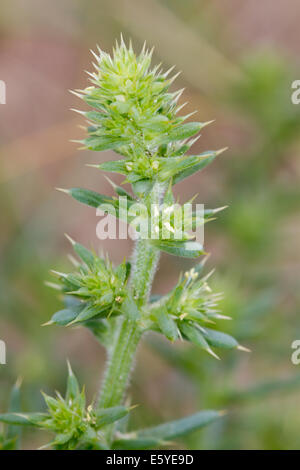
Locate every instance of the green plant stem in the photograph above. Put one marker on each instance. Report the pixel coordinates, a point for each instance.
(122, 352)
(119, 364)
(145, 264)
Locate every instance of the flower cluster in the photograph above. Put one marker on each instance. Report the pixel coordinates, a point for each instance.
(167, 225)
(68, 417)
(98, 290)
(135, 106)
(135, 114)
(75, 425)
(188, 309)
(79, 427)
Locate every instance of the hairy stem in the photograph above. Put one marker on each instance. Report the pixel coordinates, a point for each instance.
(122, 352)
(145, 264)
(119, 365)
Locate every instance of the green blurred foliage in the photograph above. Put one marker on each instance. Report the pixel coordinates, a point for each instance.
(254, 240)
(257, 295)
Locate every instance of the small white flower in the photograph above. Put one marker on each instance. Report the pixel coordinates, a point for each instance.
(129, 166)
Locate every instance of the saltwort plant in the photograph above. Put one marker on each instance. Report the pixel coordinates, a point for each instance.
(133, 112)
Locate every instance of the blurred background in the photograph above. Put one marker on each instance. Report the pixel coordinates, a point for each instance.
(238, 61)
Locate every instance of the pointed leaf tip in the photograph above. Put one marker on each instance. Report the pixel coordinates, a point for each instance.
(52, 285)
(19, 381)
(57, 273)
(63, 190)
(220, 209)
(48, 323)
(132, 407)
(208, 122)
(181, 427)
(243, 348)
(212, 353)
(83, 113)
(79, 95)
(218, 152)
(110, 181)
(70, 372)
(70, 239)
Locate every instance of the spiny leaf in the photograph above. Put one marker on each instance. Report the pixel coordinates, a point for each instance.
(88, 197)
(122, 271)
(180, 427)
(95, 116)
(170, 167)
(114, 166)
(87, 313)
(65, 316)
(86, 255)
(186, 249)
(106, 416)
(166, 324)
(72, 385)
(180, 176)
(28, 419)
(103, 142)
(219, 339)
(208, 157)
(119, 190)
(183, 131)
(193, 334)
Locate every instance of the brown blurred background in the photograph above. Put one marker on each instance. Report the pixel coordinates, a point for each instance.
(238, 60)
